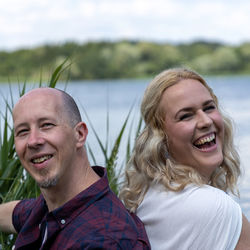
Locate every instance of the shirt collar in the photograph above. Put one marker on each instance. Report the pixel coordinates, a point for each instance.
(83, 200)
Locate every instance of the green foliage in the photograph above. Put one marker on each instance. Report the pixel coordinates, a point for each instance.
(222, 60)
(15, 182)
(111, 152)
(244, 55)
(198, 48)
(123, 59)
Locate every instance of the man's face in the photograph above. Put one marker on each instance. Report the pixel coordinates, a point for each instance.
(44, 140)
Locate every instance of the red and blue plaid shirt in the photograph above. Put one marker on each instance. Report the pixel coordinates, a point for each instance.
(94, 219)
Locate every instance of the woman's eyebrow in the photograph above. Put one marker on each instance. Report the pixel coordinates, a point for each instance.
(188, 109)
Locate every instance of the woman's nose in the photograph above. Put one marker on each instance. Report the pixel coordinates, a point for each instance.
(204, 120)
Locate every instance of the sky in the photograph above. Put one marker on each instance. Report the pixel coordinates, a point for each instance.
(31, 23)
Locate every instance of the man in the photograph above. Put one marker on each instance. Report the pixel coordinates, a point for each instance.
(76, 209)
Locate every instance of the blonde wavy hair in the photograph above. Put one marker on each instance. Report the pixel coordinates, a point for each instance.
(150, 163)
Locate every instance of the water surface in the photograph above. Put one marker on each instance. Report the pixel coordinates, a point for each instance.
(116, 97)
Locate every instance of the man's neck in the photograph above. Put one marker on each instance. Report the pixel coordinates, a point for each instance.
(65, 190)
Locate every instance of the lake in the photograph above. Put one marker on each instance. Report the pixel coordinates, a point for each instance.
(114, 98)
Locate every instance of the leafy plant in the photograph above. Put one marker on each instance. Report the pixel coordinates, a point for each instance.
(15, 182)
(111, 152)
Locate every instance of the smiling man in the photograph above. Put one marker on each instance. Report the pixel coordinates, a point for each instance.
(76, 209)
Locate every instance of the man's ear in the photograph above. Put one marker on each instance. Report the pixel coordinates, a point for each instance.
(81, 132)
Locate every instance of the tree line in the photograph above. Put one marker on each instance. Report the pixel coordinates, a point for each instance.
(124, 59)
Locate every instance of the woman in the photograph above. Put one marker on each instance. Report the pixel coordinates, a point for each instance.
(184, 163)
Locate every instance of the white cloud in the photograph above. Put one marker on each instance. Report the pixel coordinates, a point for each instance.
(29, 22)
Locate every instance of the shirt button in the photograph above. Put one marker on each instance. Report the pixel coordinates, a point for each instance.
(63, 221)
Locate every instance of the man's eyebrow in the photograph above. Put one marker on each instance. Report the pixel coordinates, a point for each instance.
(20, 125)
(45, 119)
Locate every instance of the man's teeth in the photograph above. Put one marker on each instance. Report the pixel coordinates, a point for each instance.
(205, 140)
(41, 159)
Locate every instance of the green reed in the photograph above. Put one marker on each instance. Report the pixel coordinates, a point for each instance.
(17, 184)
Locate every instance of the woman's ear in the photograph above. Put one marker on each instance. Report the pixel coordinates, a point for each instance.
(81, 132)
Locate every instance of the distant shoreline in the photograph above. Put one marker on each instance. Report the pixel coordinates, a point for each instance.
(148, 78)
(123, 60)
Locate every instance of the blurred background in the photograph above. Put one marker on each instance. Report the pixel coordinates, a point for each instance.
(123, 39)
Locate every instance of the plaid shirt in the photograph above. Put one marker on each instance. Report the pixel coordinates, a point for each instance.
(94, 219)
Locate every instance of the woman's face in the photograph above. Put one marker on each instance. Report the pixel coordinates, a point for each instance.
(194, 126)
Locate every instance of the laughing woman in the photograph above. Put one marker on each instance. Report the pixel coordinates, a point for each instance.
(183, 166)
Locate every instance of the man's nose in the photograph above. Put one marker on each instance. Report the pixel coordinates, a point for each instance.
(35, 138)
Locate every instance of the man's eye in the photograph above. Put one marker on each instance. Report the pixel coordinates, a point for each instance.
(22, 132)
(47, 125)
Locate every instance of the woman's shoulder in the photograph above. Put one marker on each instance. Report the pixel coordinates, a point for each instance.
(193, 214)
(198, 201)
(191, 191)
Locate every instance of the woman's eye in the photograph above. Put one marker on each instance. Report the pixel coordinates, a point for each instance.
(210, 107)
(185, 116)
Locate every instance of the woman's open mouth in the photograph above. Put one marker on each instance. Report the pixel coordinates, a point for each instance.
(205, 143)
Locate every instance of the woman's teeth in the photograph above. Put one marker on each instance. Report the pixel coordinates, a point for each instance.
(205, 140)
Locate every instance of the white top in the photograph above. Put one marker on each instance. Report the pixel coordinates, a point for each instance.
(203, 218)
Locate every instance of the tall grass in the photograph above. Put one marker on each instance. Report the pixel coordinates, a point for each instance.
(16, 183)
(111, 152)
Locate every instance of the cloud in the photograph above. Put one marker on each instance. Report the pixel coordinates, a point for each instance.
(30, 23)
